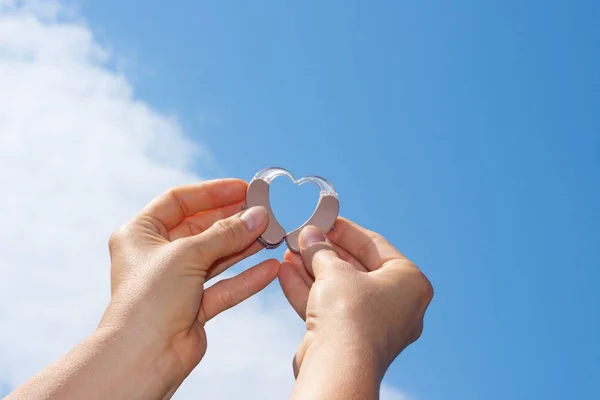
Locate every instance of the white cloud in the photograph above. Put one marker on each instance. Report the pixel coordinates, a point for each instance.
(79, 155)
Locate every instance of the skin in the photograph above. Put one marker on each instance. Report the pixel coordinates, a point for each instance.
(363, 302)
(152, 333)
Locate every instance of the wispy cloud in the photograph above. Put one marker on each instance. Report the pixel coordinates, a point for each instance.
(79, 154)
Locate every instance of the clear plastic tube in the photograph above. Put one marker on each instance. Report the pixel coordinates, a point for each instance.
(268, 174)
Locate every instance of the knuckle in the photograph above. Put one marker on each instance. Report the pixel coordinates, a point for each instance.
(195, 249)
(366, 247)
(113, 239)
(116, 237)
(173, 193)
(416, 333)
(225, 299)
(422, 286)
(227, 230)
(245, 286)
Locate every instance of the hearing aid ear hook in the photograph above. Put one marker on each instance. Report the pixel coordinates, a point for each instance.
(323, 217)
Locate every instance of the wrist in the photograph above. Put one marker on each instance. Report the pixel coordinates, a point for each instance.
(358, 352)
(340, 367)
(142, 366)
(109, 364)
(352, 341)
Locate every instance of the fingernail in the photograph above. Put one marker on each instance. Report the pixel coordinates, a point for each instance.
(311, 235)
(254, 217)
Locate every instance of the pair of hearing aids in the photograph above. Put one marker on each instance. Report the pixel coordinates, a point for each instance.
(323, 217)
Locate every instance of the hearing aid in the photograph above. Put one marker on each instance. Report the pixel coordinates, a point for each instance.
(323, 217)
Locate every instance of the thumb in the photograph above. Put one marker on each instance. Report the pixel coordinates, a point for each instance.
(318, 254)
(231, 235)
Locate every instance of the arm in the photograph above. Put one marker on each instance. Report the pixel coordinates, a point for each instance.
(338, 370)
(108, 364)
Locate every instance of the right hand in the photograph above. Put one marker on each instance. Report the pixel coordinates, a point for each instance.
(355, 289)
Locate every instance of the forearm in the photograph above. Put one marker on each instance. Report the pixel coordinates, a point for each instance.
(338, 370)
(107, 365)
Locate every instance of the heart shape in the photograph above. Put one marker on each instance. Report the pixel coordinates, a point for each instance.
(292, 204)
(323, 217)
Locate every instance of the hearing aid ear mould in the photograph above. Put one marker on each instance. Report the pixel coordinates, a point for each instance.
(323, 217)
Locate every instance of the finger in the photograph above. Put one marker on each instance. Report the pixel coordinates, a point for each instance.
(344, 255)
(294, 287)
(229, 236)
(222, 264)
(318, 254)
(201, 221)
(174, 205)
(296, 261)
(370, 248)
(230, 292)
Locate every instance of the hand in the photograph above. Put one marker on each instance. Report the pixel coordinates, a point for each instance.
(162, 258)
(363, 303)
(152, 333)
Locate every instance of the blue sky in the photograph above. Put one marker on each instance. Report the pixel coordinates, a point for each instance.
(467, 133)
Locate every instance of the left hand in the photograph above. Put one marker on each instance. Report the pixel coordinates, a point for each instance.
(162, 258)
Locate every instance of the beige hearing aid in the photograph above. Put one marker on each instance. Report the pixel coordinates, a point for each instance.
(323, 217)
